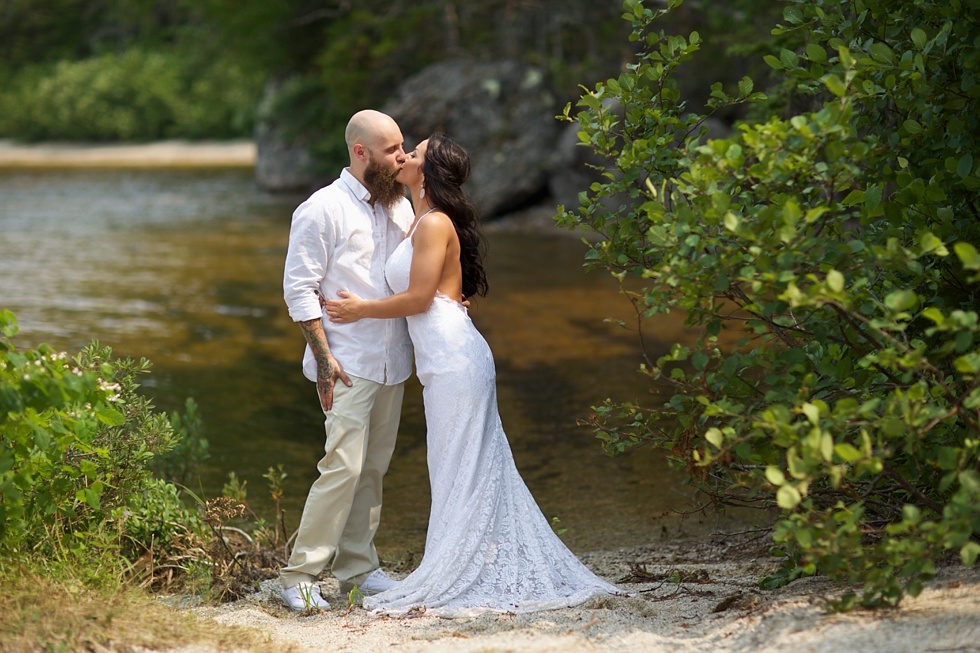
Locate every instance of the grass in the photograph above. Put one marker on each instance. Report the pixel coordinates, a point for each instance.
(42, 613)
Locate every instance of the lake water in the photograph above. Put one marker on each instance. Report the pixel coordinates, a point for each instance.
(184, 267)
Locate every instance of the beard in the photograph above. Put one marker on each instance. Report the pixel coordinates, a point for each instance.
(381, 182)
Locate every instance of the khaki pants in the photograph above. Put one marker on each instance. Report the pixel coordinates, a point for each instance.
(343, 508)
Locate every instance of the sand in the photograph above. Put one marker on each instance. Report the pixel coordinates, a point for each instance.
(717, 607)
(137, 155)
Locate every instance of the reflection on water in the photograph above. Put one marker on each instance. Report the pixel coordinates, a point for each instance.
(185, 267)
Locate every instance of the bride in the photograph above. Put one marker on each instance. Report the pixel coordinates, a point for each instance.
(488, 547)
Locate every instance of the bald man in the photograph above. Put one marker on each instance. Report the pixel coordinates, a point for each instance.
(340, 239)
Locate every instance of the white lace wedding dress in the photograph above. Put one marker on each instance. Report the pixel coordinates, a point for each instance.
(488, 547)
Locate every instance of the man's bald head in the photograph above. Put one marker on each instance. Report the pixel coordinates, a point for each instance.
(368, 128)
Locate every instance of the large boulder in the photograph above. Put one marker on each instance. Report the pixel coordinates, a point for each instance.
(501, 111)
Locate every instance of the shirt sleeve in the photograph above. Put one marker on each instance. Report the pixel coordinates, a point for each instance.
(306, 260)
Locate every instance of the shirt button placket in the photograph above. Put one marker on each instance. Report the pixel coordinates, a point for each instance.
(381, 243)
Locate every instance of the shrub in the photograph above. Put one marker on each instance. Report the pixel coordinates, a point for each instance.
(828, 258)
(135, 95)
(77, 443)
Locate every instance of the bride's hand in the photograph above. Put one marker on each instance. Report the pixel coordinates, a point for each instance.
(349, 308)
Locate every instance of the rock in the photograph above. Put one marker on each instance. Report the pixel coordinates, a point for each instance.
(501, 111)
(283, 162)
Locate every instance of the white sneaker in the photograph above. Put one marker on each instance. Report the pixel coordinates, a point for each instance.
(303, 596)
(377, 581)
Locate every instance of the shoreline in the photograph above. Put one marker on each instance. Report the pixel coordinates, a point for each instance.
(54, 155)
(156, 154)
(695, 596)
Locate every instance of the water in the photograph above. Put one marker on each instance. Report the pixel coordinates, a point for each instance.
(184, 267)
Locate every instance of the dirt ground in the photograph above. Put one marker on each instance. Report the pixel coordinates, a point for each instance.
(685, 597)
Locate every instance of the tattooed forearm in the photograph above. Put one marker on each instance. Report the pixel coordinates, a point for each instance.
(317, 339)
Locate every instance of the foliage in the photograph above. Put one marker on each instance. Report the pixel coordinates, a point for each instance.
(32, 32)
(136, 95)
(828, 257)
(142, 69)
(165, 539)
(190, 450)
(80, 450)
(75, 474)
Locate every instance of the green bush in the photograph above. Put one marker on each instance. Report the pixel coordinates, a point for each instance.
(77, 443)
(135, 95)
(155, 521)
(828, 258)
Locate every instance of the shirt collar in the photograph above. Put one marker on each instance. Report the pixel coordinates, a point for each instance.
(357, 188)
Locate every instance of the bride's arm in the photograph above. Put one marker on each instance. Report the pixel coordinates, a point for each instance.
(430, 244)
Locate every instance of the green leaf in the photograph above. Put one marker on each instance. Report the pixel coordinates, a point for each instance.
(715, 437)
(775, 475)
(745, 86)
(968, 363)
(970, 481)
(901, 300)
(932, 244)
(788, 497)
(934, 314)
(881, 53)
(872, 197)
(835, 281)
(969, 553)
(793, 15)
(834, 85)
(965, 165)
(89, 496)
(912, 126)
(911, 514)
(815, 52)
(852, 198)
(731, 221)
(847, 452)
(699, 360)
(110, 416)
(812, 413)
(918, 37)
(968, 255)
(948, 458)
(789, 58)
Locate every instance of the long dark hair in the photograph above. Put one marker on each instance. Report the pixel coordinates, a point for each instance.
(446, 167)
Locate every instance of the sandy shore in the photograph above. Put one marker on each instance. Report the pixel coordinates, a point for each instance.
(160, 154)
(715, 608)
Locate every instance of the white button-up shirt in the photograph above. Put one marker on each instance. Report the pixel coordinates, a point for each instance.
(338, 241)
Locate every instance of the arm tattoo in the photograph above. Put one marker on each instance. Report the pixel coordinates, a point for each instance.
(317, 339)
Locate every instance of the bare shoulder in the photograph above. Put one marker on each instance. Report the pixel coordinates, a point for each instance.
(438, 218)
(436, 226)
